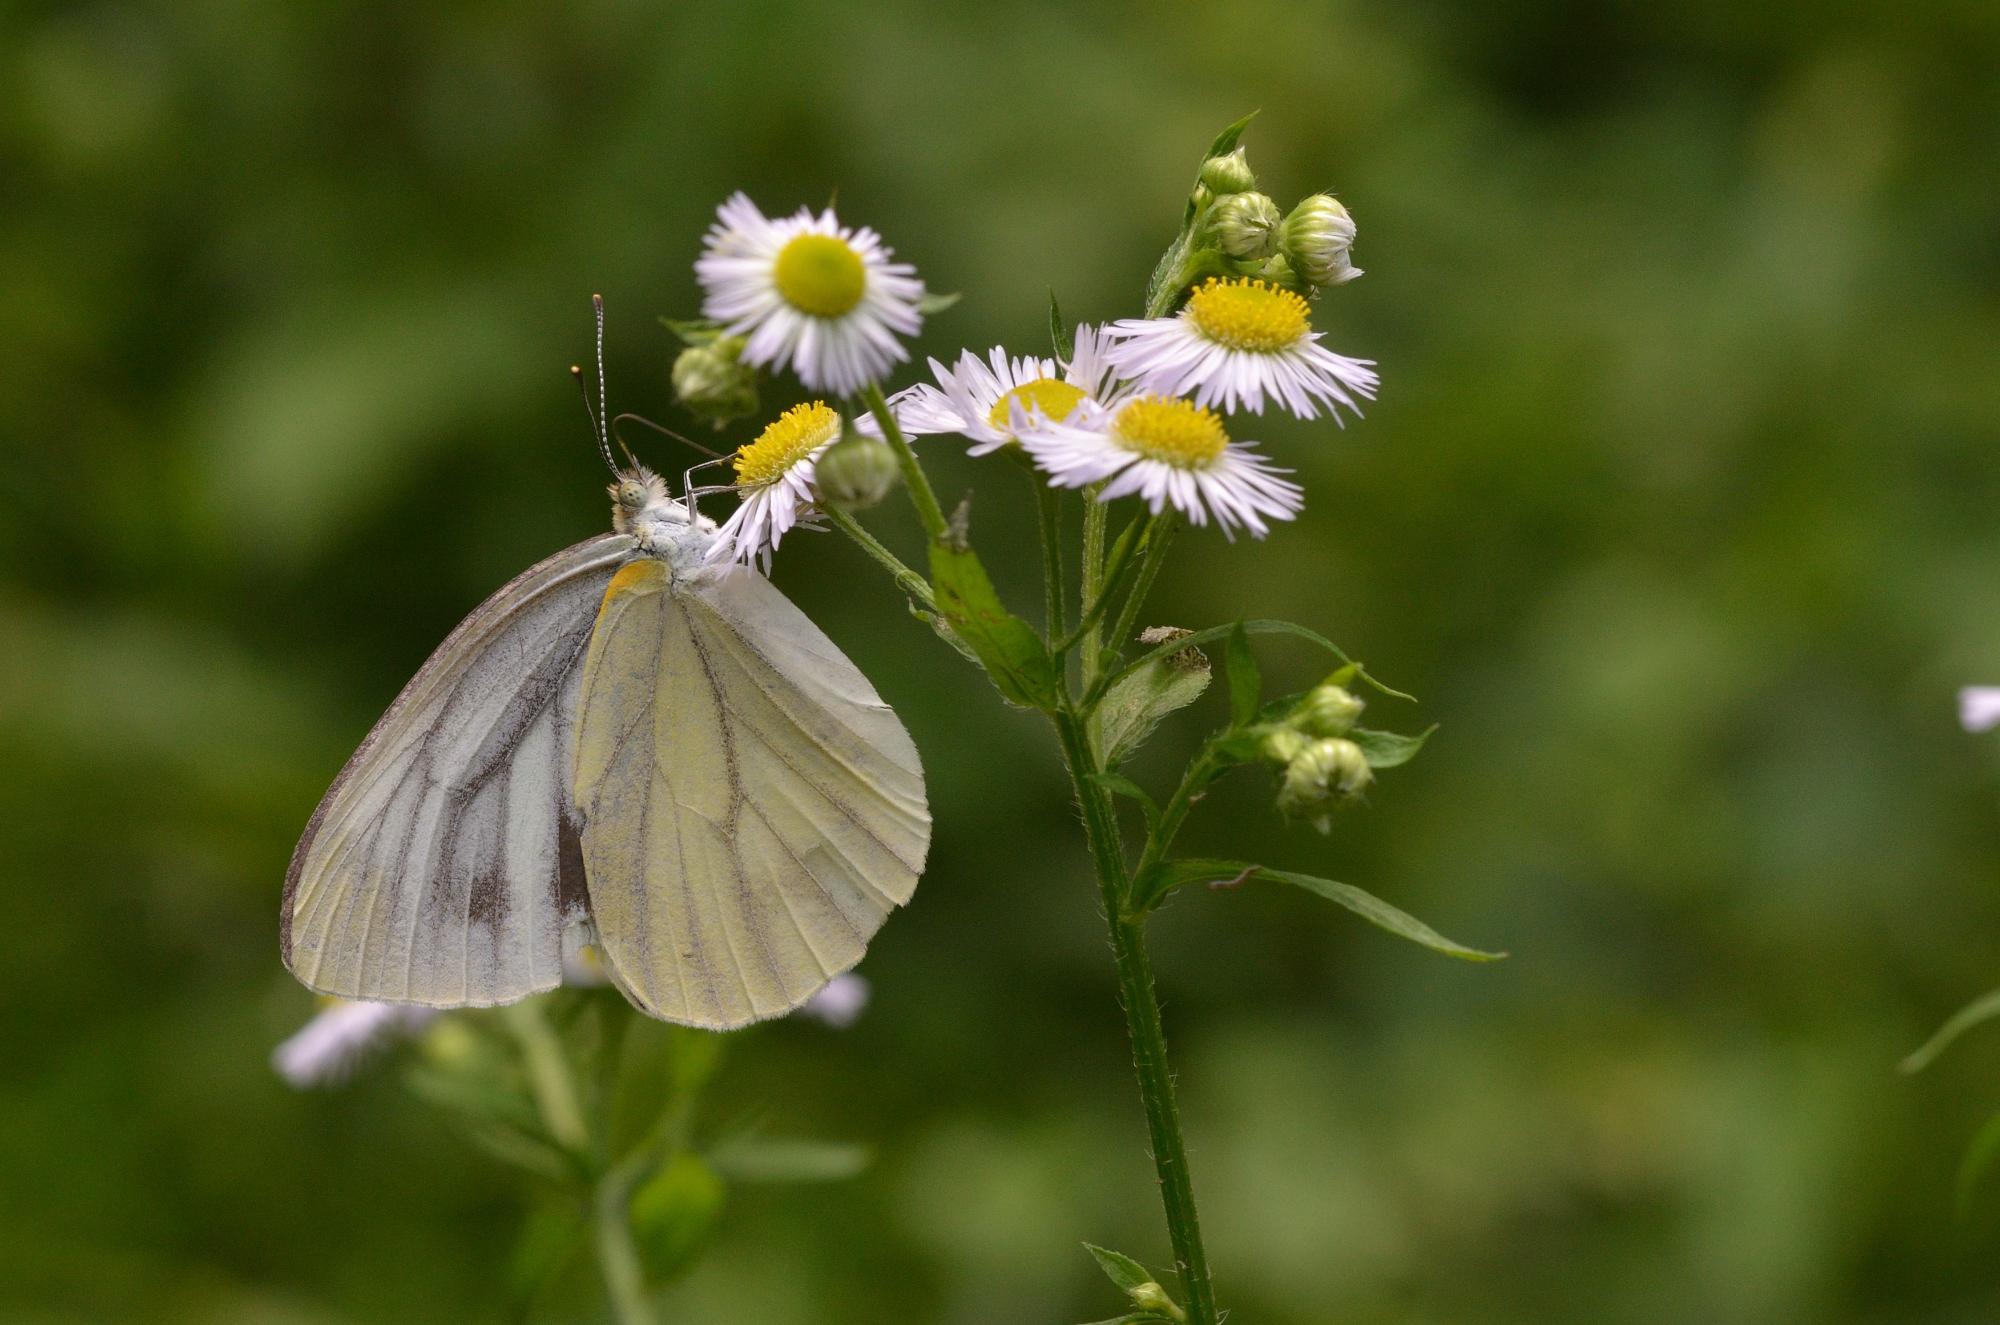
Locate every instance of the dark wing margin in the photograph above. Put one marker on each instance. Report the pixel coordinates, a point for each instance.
(445, 865)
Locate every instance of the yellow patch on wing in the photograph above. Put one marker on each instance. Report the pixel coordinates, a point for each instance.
(642, 576)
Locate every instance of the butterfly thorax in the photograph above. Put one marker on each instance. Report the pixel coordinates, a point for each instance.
(643, 507)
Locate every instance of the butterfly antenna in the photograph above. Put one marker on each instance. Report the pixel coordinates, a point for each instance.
(590, 411)
(603, 407)
(664, 431)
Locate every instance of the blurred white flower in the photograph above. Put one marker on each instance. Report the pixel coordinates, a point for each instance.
(326, 1051)
(839, 1003)
(1170, 453)
(978, 398)
(808, 293)
(774, 478)
(1979, 708)
(1234, 342)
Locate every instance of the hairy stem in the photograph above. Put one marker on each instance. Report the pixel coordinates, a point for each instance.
(914, 479)
(1092, 576)
(1048, 509)
(1142, 1022)
(1157, 538)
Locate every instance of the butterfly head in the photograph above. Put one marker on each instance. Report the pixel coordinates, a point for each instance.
(640, 496)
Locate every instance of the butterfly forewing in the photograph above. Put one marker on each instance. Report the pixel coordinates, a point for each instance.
(752, 809)
(444, 863)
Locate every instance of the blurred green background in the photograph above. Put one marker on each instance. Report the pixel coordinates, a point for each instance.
(1679, 510)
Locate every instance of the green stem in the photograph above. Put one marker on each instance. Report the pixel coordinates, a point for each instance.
(1109, 583)
(1157, 539)
(549, 1076)
(921, 496)
(617, 1256)
(1092, 578)
(1142, 1022)
(906, 579)
(1048, 507)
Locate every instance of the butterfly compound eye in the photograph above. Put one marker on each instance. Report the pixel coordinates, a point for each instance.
(631, 494)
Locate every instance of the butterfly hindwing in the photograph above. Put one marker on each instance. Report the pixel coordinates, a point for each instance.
(444, 863)
(752, 809)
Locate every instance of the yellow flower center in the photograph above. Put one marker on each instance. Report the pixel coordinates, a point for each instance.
(1174, 432)
(1054, 399)
(788, 439)
(820, 275)
(1246, 314)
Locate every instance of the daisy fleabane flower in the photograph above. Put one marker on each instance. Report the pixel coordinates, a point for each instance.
(1169, 452)
(774, 478)
(1233, 343)
(1979, 708)
(330, 1046)
(977, 398)
(808, 293)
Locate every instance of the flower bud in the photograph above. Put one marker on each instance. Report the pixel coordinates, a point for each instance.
(1317, 237)
(1326, 770)
(1246, 225)
(1149, 1296)
(1281, 745)
(856, 472)
(1329, 710)
(712, 381)
(1229, 174)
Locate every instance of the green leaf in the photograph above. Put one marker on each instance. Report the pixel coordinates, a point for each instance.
(1059, 337)
(774, 1159)
(1136, 1318)
(1388, 749)
(1982, 1009)
(1122, 1270)
(1225, 142)
(1137, 701)
(693, 331)
(1120, 785)
(1978, 1158)
(1246, 683)
(1252, 628)
(1006, 646)
(1173, 874)
(934, 302)
(673, 1213)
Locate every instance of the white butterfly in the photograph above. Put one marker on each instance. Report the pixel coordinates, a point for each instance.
(628, 747)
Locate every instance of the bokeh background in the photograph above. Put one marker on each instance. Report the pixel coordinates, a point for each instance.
(1680, 511)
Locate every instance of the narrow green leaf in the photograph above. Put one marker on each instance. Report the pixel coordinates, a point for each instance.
(1006, 646)
(773, 1159)
(936, 302)
(1225, 142)
(1174, 874)
(1246, 683)
(1380, 914)
(692, 331)
(1978, 1158)
(1120, 1269)
(1059, 337)
(1388, 749)
(1253, 628)
(1136, 1318)
(1982, 1009)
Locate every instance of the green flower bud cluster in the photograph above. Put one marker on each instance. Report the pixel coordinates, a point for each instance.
(1234, 230)
(712, 380)
(1323, 769)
